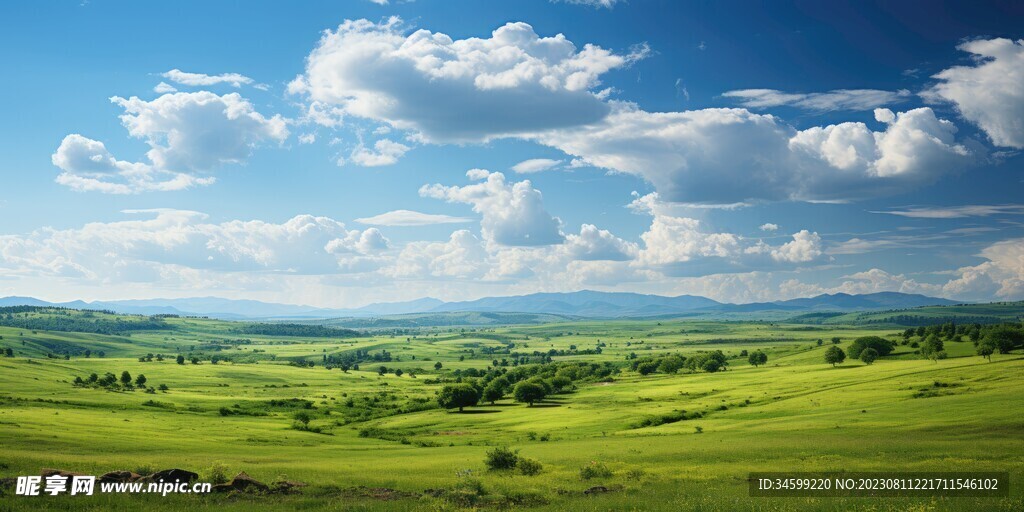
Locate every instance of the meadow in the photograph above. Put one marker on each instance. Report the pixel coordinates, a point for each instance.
(279, 407)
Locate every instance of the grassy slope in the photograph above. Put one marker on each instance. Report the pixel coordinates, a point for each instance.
(801, 415)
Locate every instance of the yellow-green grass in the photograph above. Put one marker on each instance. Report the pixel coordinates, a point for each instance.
(796, 413)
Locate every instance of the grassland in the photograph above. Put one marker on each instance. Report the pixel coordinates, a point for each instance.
(382, 441)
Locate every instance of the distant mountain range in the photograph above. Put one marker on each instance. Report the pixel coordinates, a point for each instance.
(584, 303)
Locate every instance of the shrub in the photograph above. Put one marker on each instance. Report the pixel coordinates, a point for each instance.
(217, 474)
(501, 458)
(595, 470)
(529, 467)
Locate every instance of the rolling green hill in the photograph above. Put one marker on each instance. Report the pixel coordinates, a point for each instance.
(991, 313)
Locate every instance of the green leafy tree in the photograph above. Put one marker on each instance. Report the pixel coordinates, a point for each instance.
(126, 378)
(883, 346)
(932, 346)
(1005, 338)
(493, 392)
(140, 381)
(986, 349)
(868, 355)
(757, 358)
(834, 355)
(180, 359)
(458, 395)
(529, 392)
(438, 365)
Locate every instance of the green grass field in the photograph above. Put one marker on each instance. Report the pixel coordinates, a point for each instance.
(383, 442)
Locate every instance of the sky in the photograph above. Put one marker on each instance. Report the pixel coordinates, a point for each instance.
(340, 153)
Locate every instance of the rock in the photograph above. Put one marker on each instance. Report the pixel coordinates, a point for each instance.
(119, 477)
(242, 482)
(45, 472)
(597, 489)
(286, 486)
(172, 475)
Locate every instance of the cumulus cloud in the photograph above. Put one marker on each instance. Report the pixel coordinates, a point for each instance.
(447, 89)
(202, 80)
(1001, 275)
(536, 165)
(188, 134)
(200, 130)
(462, 256)
(88, 167)
(733, 155)
(989, 93)
(384, 152)
(842, 99)
(304, 244)
(804, 247)
(593, 244)
(164, 87)
(769, 227)
(513, 213)
(411, 218)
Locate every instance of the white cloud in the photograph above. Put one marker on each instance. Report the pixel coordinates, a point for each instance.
(462, 256)
(593, 244)
(956, 212)
(384, 152)
(188, 134)
(411, 218)
(536, 165)
(989, 93)
(1002, 275)
(202, 80)
(164, 87)
(513, 213)
(307, 138)
(607, 4)
(448, 89)
(185, 239)
(728, 156)
(198, 131)
(88, 167)
(842, 99)
(804, 247)
(768, 226)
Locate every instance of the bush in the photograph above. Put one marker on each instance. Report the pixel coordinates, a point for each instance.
(501, 458)
(217, 474)
(529, 467)
(595, 470)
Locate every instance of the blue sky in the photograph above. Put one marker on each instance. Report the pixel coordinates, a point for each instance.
(341, 153)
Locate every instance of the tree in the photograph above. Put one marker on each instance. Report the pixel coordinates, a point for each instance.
(180, 359)
(836, 340)
(883, 346)
(382, 370)
(398, 372)
(868, 355)
(302, 417)
(757, 358)
(493, 391)
(126, 378)
(986, 349)
(458, 395)
(438, 365)
(140, 381)
(834, 355)
(1005, 338)
(529, 392)
(932, 346)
